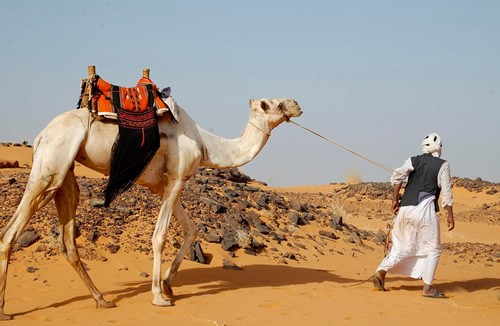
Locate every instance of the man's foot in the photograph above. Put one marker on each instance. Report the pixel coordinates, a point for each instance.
(378, 282)
(434, 293)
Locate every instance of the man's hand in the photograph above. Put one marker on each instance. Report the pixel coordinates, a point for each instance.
(451, 223)
(395, 206)
(450, 220)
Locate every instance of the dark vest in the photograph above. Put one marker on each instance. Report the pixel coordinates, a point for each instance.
(422, 181)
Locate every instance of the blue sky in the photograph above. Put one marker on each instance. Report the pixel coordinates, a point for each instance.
(374, 76)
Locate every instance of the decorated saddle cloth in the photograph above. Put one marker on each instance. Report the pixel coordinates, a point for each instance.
(137, 110)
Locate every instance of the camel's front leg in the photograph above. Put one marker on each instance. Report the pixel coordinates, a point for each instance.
(66, 199)
(158, 241)
(190, 232)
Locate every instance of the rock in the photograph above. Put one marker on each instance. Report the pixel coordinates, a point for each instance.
(41, 248)
(230, 193)
(355, 237)
(94, 202)
(243, 204)
(196, 253)
(262, 201)
(250, 189)
(213, 237)
(277, 236)
(328, 234)
(93, 235)
(337, 222)
(263, 228)
(492, 191)
(214, 206)
(27, 239)
(299, 245)
(32, 269)
(257, 246)
(226, 264)
(6, 164)
(229, 240)
(113, 248)
(381, 236)
(293, 217)
(308, 217)
(236, 176)
(202, 227)
(250, 251)
(295, 204)
(254, 218)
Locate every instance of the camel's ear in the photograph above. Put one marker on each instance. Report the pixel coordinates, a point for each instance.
(264, 106)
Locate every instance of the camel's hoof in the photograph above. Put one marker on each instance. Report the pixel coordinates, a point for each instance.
(105, 304)
(162, 302)
(5, 317)
(167, 289)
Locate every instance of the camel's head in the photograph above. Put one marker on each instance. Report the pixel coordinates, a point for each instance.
(275, 111)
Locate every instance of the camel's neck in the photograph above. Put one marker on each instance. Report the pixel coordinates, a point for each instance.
(226, 153)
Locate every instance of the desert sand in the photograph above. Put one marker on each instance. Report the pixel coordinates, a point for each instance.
(318, 289)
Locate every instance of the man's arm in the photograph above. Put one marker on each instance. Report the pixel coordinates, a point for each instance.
(397, 179)
(444, 182)
(395, 198)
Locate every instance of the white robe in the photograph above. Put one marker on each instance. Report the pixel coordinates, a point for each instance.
(416, 243)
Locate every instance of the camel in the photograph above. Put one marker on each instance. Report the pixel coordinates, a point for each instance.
(79, 135)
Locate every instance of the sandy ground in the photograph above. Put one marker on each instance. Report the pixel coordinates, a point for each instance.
(319, 290)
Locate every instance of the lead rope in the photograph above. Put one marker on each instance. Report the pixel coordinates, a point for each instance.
(380, 165)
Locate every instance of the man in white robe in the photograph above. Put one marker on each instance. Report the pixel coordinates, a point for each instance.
(416, 244)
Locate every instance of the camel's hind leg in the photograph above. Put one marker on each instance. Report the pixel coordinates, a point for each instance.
(66, 199)
(39, 191)
(55, 149)
(7, 240)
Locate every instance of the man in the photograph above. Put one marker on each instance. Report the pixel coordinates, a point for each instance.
(416, 244)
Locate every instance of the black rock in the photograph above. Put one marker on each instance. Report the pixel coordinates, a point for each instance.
(27, 239)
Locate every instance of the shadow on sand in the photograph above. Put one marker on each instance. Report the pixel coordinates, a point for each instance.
(452, 286)
(215, 280)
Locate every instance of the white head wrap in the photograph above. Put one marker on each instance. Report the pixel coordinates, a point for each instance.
(432, 145)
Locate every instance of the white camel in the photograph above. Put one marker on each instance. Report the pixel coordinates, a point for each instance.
(79, 135)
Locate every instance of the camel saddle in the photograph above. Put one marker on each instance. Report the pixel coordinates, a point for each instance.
(107, 99)
(137, 110)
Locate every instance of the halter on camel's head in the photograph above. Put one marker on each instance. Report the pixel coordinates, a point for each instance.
(267, 114)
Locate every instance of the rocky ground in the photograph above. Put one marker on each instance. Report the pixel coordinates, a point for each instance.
(232, 210)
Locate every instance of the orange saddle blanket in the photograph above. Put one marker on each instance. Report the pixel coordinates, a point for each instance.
(108, 98)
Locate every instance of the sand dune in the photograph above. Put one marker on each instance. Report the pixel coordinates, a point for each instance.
(316, 290)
